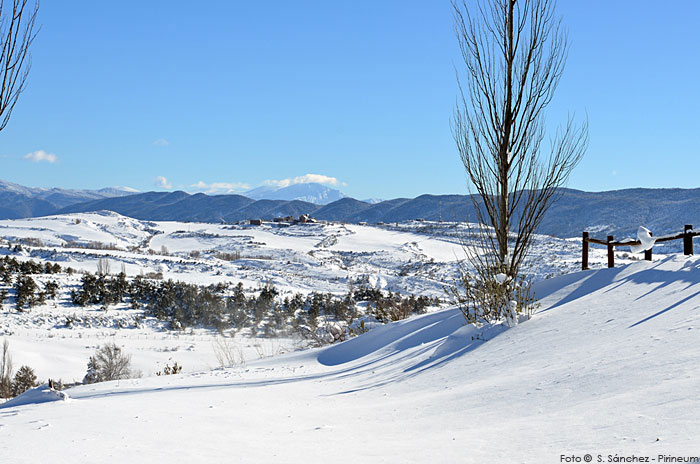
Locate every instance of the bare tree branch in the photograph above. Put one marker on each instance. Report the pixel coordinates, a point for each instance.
(16, 36)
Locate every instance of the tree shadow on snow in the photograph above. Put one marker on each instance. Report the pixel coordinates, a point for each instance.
(587, 283)
(674, 305)
(391, 353)
(397, 336)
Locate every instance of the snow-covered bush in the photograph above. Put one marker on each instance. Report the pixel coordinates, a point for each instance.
(490, 296)
(170, 370)
(362, 325)
(108, 363)
(395, 308)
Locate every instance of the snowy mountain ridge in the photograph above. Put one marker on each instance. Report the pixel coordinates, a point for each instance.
(43, 193)
(18, 201)
(660, 210)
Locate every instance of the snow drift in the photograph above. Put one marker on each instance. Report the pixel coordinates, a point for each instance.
(40, 394)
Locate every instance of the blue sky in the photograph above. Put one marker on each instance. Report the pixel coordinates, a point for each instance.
(220, 95)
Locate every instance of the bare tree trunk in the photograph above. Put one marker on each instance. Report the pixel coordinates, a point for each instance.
(504, 222)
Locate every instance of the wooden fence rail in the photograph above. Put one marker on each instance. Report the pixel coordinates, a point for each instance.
(687, 237)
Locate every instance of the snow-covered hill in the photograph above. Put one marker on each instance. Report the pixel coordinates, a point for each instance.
(607, 366)
(407, 258)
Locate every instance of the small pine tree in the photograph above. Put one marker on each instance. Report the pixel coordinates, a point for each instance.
(25, 288)
(51, 289)
(23, 381)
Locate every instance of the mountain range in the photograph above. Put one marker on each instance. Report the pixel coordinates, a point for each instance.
(18, 201)
(618, 212)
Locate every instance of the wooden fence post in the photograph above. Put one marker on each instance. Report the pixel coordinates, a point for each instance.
(687, 240)
(611, 253)
(584, 252)
(647, 253)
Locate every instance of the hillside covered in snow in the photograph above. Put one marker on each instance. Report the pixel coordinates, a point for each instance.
(299, 265)
(606, 366)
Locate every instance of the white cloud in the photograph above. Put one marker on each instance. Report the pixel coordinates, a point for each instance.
(161, 142)
(305, 179)
(220, 187)
(41, 155)
(162, 182)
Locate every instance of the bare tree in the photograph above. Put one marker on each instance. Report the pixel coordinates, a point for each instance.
(513, 53)
(109, 363)
(103, 267)
(16, 33)
(5, 370)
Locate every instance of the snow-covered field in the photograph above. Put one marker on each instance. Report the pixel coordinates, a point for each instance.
(410, 258)
(606, 365)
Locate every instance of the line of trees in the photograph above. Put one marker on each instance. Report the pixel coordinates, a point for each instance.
(223, 306)
(17, 274)
(220, 306)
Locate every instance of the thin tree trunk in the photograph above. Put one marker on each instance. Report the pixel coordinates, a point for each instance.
(504, 222)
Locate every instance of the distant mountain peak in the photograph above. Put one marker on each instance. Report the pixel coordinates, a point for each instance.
(309, 192)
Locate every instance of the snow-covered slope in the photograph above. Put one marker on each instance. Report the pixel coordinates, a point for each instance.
(608, 365)
(56, 338)
(410, 258)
